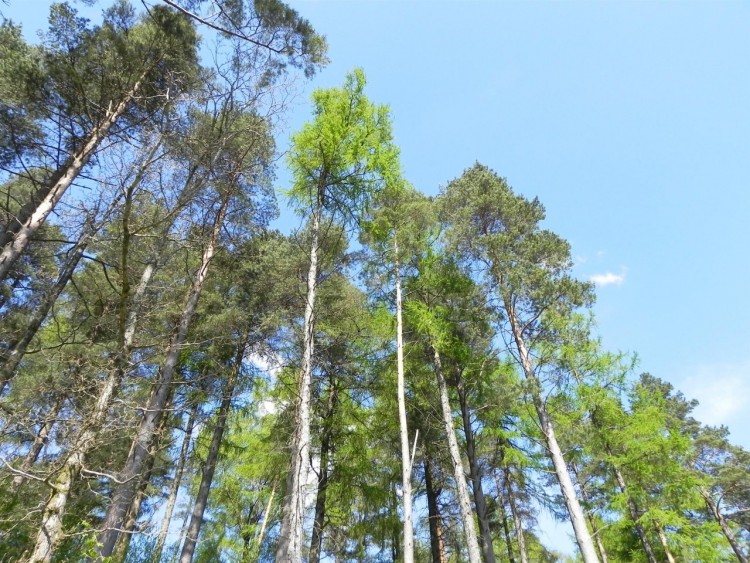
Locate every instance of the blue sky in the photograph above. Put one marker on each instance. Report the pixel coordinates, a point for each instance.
(629, 120)
(631, 123)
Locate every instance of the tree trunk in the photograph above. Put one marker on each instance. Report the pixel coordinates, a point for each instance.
(589, 515)
(664, 543)
(437, 542)
(408, 539)
(634, 513)
(125, 492)
(51, 530)
(326, 445)
(728, 533)
(75, 254)
(517, 523)
(575, 512)
(40, 440)
(209, 467)
(175, 488)
(266, 515)
(292, 532)
(467, 516)
(17, 236)
(504, 519)
(17, 352)
(476, 475)
(120, 552)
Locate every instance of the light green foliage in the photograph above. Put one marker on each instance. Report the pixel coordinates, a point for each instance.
(343, 156)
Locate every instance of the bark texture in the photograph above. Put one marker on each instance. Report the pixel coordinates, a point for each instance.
(292, 526)
(134, 466)
(575, 512)
(467, 516)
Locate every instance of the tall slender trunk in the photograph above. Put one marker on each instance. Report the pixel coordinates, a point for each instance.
(408, 539)
(212, 458)
(476, 474)
(590, 516)
(292, 531)
(517, 523)
(122, 546)
(722, 521)
(124, 492)
(575, 512)
(634, 512)
(17, 236)
(266, 515)
(664, 542)
(326, 445)
(175, 488)
(40, 440)
(467, 516)
(51, 528)
(437, 542)
(504, 518)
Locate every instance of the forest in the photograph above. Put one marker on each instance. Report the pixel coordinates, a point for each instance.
(403, 378)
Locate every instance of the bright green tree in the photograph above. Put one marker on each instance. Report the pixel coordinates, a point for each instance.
(338, 162)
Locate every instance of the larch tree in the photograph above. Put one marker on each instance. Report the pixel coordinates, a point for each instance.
(338, 162)
(399, 228)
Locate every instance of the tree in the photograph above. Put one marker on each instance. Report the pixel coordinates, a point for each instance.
(527, 269)
(726, 489)
(95, 79)
(338, 161)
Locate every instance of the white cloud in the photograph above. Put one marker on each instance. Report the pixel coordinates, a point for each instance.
(608, 279)
(723, 391)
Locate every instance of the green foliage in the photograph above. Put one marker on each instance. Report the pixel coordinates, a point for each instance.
(343, 156)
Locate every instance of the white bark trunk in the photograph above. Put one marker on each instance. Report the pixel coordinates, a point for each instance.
(292, 536)
(408, 540)
(266, 516)
(467, 516)
(575, 512)
(664, 543)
